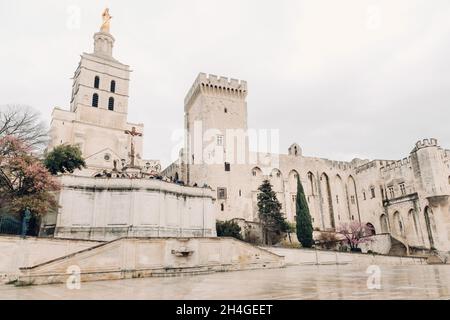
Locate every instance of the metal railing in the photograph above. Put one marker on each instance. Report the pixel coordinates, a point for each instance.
(10, 225)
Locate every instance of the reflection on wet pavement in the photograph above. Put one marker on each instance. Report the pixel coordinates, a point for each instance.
(303, 282)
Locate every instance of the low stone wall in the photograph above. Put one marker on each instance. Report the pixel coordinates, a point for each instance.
(318, 257)
(381, 244)
(140, 257)
(16, 252)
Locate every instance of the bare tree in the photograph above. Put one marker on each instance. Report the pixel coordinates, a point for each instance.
(24, 123)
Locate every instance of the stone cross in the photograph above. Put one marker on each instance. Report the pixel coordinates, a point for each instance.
(133, 133)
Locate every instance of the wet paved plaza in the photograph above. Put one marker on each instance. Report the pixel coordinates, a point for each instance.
(302, 282)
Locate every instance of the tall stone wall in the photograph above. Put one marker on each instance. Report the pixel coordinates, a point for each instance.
(106, 209)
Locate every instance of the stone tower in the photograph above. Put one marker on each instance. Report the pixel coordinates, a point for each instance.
(97, 120)
(216, 151)
(430, 168)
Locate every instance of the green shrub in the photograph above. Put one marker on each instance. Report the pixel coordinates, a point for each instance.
(228, 229)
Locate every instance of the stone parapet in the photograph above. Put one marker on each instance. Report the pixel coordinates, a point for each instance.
(212, 84)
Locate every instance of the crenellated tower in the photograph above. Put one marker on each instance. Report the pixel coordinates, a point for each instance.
(216, 147)
(428, 167)
(215, 111)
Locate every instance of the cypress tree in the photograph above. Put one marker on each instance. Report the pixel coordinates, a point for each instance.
(304, 224)
(270, 216)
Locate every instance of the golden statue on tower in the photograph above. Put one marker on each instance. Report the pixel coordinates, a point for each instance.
(106, 21)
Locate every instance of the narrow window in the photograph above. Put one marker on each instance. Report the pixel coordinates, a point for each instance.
(391, 192)
(226, 110)
(220, 140)
(402, 189)
(111, 104)
(364, 195)
(372, 192)
(227, 167)
(113, 86)
(222, 207)
(222, 193)
(97, 82)
(95, 100)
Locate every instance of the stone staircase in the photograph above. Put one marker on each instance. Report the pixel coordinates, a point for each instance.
(439, 257)
(398, 248)
(128, 258)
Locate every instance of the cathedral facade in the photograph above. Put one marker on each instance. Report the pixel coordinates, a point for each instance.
(97, 119)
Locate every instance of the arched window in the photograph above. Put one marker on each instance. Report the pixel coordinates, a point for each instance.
(275, 173)
(111, 104)
(384, 224)
(311, 182)
(95, 100)
(113, 86)
(429, 221)
(97, 82)
(371, 229)
(256, 172)
(413, 222)
(398, 224)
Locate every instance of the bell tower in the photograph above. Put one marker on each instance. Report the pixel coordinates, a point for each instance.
(97, 120)
(101, 83)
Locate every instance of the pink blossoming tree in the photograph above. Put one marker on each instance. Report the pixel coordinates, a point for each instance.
(355, 233)
(24, 181)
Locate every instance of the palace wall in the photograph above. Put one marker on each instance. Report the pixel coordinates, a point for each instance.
(407, 198)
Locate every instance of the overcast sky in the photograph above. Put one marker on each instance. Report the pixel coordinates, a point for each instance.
(344, 79)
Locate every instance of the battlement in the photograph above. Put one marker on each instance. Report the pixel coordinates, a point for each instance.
(367, 166)
(212, 84)
(334, 164)
(446, 153)
(393, 165)
(340, 165)
(425, 143)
